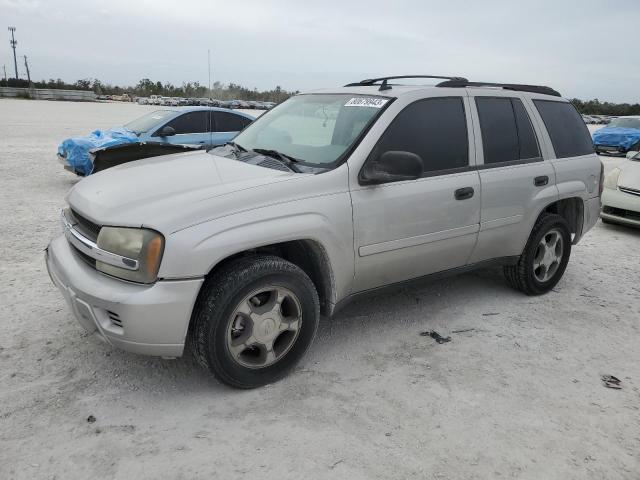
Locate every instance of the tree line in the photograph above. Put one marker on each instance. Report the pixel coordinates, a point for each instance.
(233, 91)
(147, 87)
(596, 107)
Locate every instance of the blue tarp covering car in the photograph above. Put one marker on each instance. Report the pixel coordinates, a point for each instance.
(620, 136)
(75, 151)
(200, 127)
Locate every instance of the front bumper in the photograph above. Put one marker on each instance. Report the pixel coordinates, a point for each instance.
(145, 319)
(620, 207)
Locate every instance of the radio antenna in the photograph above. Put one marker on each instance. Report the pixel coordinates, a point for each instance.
(209, 62)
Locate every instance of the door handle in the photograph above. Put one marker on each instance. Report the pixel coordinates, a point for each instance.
(463, 193)
(541, 181)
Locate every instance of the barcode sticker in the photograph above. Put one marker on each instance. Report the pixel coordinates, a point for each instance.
(366, 102)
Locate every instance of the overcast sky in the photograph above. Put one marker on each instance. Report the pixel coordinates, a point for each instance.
(585, 48)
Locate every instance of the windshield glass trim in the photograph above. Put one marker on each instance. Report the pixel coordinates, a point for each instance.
(327, 166)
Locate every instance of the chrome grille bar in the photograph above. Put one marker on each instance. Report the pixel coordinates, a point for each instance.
(91, 249)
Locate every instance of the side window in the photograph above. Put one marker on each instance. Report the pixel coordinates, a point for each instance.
(434, 129)
(192, 122)
(569, 135)
(526, 136)
(229, 122)
(507, 134)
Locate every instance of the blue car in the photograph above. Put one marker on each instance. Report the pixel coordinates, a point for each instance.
(621, 135)
(155, 133)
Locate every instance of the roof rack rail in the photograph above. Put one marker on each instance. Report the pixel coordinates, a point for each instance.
(385, 86)
(507, 86)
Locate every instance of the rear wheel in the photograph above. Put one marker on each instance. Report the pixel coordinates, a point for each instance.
(545, 257)
(254, 320)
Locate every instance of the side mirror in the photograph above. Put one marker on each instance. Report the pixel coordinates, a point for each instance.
(632, 153)
(392, 166)
(167, 131)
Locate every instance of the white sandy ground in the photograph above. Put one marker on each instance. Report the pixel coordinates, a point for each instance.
(517, 397)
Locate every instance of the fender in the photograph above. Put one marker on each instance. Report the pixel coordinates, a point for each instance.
(211, 242)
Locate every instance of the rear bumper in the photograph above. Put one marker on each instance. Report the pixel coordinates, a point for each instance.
(145, 319)
(620, 207)
(590, 217)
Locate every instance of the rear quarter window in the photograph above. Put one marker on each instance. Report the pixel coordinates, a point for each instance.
(569, 135)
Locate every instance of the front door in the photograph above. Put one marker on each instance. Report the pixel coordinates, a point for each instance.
(408, 229)
(191, 128)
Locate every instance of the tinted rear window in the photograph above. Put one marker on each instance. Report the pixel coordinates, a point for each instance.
(507, 134)
(434, 129)
(569, 135)
(229, 122)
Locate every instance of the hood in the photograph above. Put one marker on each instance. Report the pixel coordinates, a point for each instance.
(171, 192)
(616, 136)
(630, 174)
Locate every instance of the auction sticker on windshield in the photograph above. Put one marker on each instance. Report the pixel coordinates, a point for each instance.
(366, 102)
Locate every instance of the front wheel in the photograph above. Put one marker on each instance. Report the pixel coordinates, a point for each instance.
(254, 320)
(545, 257)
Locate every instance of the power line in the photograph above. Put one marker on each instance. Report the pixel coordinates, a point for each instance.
(13, 44)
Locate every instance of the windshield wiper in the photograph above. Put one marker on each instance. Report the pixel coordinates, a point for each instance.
(288, 160)
(236, 146)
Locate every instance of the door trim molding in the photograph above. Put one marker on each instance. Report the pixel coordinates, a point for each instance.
(414, 241)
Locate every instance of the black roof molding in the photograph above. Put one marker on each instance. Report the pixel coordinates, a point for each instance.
(507, 86)
(384, 80)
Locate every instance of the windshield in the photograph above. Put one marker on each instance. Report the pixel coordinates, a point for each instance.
(625, 123)
(149, 121)
(316, 129)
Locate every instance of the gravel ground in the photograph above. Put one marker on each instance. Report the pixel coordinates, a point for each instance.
(516, 395)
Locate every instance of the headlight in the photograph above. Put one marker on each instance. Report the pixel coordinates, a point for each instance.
(145, 246)
(611, 180)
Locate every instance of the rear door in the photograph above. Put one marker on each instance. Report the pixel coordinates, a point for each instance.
(407, 229)
(516, 181)
(225, 126)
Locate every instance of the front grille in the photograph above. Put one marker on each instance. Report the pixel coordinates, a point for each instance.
(620, 212)
(84, 257)
(86, 226)
(631, 191)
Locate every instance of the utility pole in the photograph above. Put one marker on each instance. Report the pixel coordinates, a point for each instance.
(4, 67)
(26, 66)
(13, 44)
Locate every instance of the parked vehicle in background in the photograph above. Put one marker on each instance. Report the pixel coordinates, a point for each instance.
(243, 247)
(142, 101)
(621, 196)
(204, 127)
(619, 136)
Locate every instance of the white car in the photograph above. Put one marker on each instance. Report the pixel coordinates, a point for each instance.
(621, 195)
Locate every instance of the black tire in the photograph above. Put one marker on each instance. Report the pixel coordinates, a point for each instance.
(521, 275)
(222, 292)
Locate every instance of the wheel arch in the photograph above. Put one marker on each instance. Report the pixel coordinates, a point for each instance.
(309, 255)
(572, 210)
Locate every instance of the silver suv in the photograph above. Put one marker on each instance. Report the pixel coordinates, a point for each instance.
(237, 251)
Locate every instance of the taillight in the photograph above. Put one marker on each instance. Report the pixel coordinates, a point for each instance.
(601, 179)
